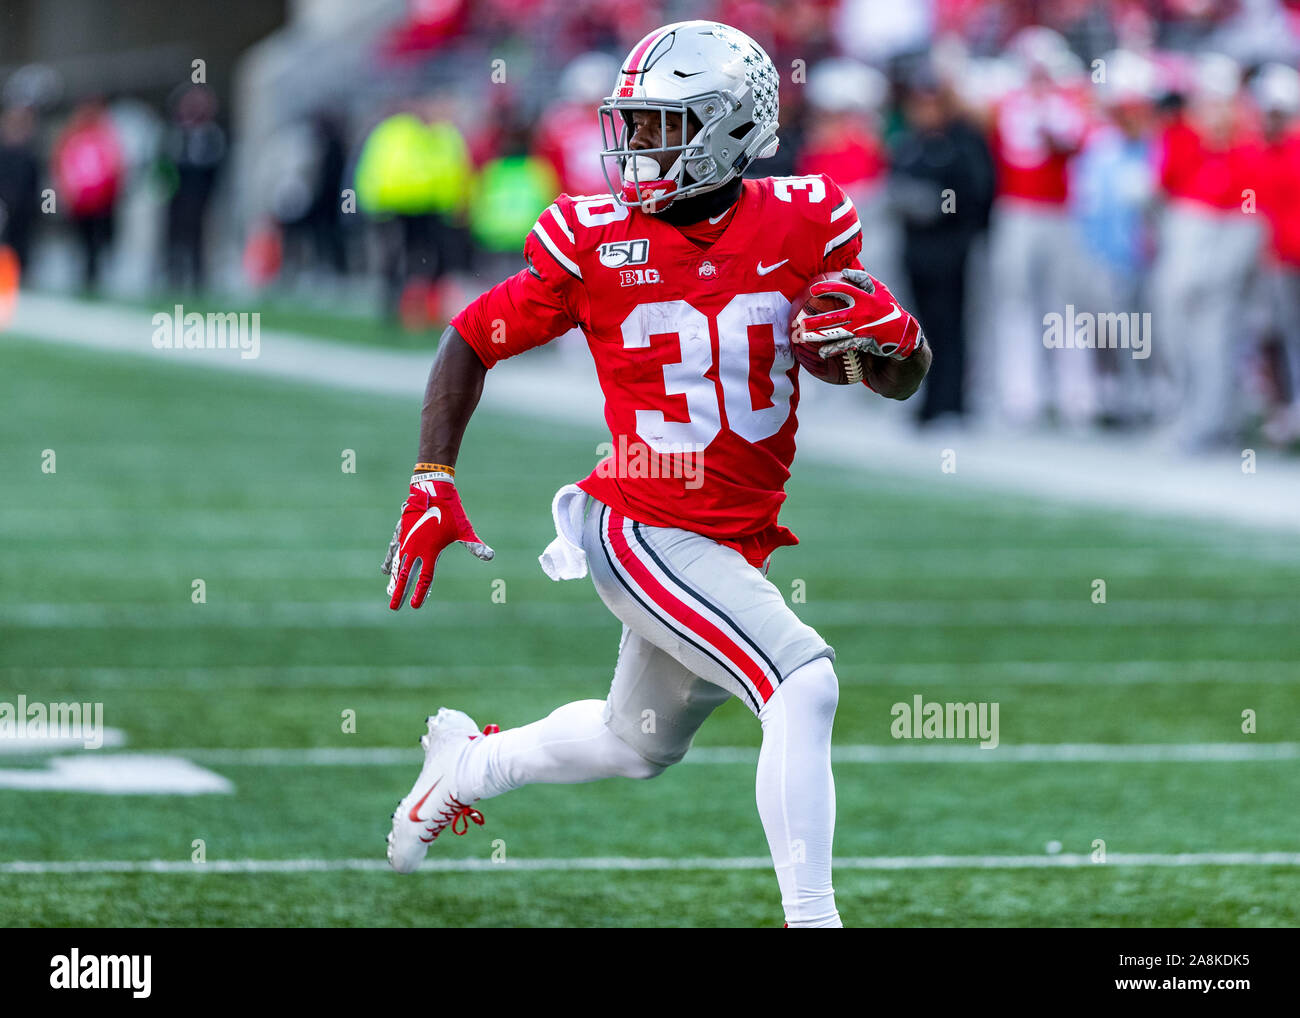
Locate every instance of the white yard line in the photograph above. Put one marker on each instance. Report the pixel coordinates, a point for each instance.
(1209, 558)
(902, 752)
(898, 753)
(633, 864)
(1125, 475)
(922, 674)
(1077, 613)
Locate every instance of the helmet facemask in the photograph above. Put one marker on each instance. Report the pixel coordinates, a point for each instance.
(634, 175)
(719, 82)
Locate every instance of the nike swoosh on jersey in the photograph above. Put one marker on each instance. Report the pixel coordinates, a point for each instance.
(435, 512)
(763, 270)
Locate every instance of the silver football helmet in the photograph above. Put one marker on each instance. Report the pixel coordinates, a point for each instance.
(710, 70)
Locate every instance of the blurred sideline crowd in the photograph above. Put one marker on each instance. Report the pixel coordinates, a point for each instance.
(1091, 206)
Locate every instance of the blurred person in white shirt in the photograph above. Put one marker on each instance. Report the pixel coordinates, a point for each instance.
(1113, 185)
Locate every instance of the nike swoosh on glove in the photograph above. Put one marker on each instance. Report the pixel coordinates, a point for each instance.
(873, 322)
(432, 518)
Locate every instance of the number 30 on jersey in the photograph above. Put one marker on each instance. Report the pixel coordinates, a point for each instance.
(753, 369)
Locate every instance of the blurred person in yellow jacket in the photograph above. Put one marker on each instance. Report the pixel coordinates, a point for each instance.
(511, 192)
(413, 177)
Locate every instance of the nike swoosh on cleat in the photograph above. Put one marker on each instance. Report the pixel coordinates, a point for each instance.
(435, 512)
(763, 270)
(415, 810)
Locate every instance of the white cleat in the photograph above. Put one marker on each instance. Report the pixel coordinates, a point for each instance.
(431, 805)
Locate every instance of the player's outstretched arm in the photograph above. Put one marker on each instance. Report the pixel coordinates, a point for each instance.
(526, 310)
(432, 515)
(455, 385)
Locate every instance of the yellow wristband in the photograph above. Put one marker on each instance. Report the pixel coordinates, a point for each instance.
(421, 468)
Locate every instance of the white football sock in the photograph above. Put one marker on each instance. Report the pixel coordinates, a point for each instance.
(569, 746)
(796, 792)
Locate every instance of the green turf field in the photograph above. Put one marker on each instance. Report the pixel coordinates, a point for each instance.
(167, 473)
(288, 314)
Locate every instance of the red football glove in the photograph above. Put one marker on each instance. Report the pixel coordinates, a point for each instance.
(874, 322)
(432, 518)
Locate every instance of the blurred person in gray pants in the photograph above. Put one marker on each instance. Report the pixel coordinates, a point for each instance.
(1277, 91)
(1036, 129)
(1209, 247)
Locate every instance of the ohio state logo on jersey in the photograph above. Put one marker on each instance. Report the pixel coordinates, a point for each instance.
(617, 253)
(707, 270)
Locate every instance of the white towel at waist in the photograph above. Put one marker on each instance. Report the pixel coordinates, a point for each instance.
(564, 558)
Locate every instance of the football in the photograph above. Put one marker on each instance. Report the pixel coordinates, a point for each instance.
(845, 369)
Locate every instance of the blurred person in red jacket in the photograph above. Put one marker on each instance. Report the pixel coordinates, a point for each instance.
(1277, 92)
(842, 139)
(1209, 246)
(1035, 130)
(87, 165)
(429, 25)
(568, 136)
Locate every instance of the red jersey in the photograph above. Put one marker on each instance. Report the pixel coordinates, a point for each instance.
(855, 158)
(1214, 176)
(691, 345)
(87, 163)
(1281, 163)
(1034, 136)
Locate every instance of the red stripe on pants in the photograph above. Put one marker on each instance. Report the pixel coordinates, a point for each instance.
(684, 614)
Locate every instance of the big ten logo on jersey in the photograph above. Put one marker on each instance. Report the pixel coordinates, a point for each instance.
(637, 277)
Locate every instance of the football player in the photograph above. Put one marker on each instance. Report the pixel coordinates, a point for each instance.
(681, 279)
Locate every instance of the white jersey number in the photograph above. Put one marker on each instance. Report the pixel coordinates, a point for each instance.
(813, 187)
(755, 392)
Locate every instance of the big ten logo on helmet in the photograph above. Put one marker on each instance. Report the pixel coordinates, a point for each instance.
(617, 253)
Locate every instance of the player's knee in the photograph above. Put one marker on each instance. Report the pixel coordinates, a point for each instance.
(643, 769)
(816, 686)
(631, 764)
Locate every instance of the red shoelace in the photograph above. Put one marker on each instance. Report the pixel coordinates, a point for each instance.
(454, 811)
